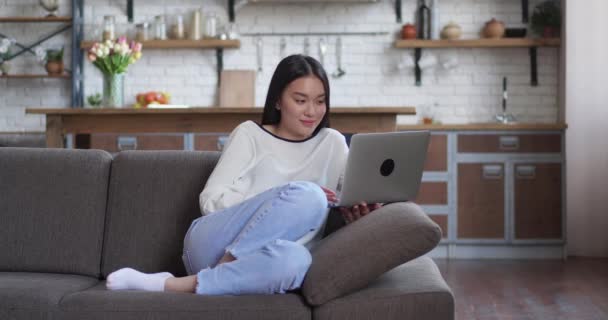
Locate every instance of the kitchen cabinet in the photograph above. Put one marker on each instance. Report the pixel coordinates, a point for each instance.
(116, 142)
(495, 190)
(538, 201)
(437, 154)
(481, 201)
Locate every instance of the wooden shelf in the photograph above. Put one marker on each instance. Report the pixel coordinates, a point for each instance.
(35, 19)
(34, 76)
(180, 44)
(480, 43)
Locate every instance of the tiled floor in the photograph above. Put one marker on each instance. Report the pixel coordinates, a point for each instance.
(575, 289)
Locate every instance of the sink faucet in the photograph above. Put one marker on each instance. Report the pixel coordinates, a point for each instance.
(505, 117)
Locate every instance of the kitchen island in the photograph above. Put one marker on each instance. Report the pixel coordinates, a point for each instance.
(67, 122)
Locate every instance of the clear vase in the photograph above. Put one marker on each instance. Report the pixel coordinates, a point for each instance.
(5, 67)
(113, 90)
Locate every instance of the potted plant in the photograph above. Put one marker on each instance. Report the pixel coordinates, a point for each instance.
(112, 58)
(546, 19)
(5, 55)
(54, 62)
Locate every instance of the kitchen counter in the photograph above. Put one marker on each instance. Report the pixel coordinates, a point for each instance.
(60, 122)
(484, 126)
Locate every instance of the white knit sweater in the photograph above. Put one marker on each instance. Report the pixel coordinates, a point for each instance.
(255, 160)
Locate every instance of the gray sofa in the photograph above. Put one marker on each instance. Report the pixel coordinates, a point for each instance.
(70, 217)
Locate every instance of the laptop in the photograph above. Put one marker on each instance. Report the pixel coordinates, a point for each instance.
(383, 167)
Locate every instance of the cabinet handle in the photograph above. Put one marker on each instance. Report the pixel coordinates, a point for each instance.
(126, 143)
(525, 172)
(509, 143)
(492, 172)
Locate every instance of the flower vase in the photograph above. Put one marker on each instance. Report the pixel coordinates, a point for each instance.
(113, 90)
(5, 68)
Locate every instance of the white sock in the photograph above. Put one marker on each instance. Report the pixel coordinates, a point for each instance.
(127, 278)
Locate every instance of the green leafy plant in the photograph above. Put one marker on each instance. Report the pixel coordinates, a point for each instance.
(94, 99)
(546, 18)
(54, 55)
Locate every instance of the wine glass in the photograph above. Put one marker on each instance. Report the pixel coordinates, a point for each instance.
(51, 6)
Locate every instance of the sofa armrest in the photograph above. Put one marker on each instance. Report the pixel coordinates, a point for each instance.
(355, 255)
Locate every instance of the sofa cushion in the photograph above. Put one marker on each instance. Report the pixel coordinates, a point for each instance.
(52, 209)
(355, 255)
(414, 290)
(36, 295)
(99, 303)
(153, 198)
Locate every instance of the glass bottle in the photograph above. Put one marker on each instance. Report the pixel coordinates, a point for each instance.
(177, 27)
(195, 25)
(141, 32)
(109, 27)
(160, 28)
(211, 25)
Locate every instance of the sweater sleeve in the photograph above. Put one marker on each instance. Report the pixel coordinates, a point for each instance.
(220, 190)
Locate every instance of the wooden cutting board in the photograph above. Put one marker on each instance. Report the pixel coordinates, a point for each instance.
(237, 88)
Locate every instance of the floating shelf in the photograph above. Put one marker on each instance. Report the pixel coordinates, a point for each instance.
(480, 43)
(35, 19)
(34, 76)
(531, 43)
(181, 44)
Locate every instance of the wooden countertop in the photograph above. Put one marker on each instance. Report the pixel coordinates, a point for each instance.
(214, 110)
(484, 126)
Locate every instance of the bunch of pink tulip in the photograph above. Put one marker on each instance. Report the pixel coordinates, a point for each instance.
(113, 57)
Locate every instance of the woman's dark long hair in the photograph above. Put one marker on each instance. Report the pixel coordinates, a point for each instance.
(288, 70)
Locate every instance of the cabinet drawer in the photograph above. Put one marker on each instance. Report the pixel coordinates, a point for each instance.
(432, 193)
(209, 142)
(481, 201)
(442, 221)
(437, 154)
(120, 142)
(524, 143)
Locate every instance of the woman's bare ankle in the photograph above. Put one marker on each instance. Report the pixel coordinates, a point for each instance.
(226, 258)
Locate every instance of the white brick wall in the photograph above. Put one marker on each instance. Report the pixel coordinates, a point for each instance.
(471, 93)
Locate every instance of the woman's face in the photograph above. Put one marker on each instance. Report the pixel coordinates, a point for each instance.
(302, 106)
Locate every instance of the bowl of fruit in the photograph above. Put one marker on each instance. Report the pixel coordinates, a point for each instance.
(144, 100)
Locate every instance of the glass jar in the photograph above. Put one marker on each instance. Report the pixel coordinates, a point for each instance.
(195, 25)
(109, 28)
(160, 32)
(211, 25)
(141, 32)
(177, 27)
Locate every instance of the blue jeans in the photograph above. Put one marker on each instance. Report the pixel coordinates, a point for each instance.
(260, 233)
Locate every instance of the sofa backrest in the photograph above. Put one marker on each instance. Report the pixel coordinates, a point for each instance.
(52, 209)
(153, 198)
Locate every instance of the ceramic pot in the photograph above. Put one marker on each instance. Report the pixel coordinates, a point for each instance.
(54, 68)
(494, 29)
(408, 31)
(451, 31)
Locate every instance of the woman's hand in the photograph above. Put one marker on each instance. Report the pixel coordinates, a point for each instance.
(357, 211)
(331, 195)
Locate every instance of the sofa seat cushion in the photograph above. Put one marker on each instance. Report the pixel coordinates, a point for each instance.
(100, 303)
(20, 290)
(414, 290)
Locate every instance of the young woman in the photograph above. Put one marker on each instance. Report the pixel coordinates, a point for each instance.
(266, 202)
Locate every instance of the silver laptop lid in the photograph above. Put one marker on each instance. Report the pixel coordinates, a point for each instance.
(384, 167)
